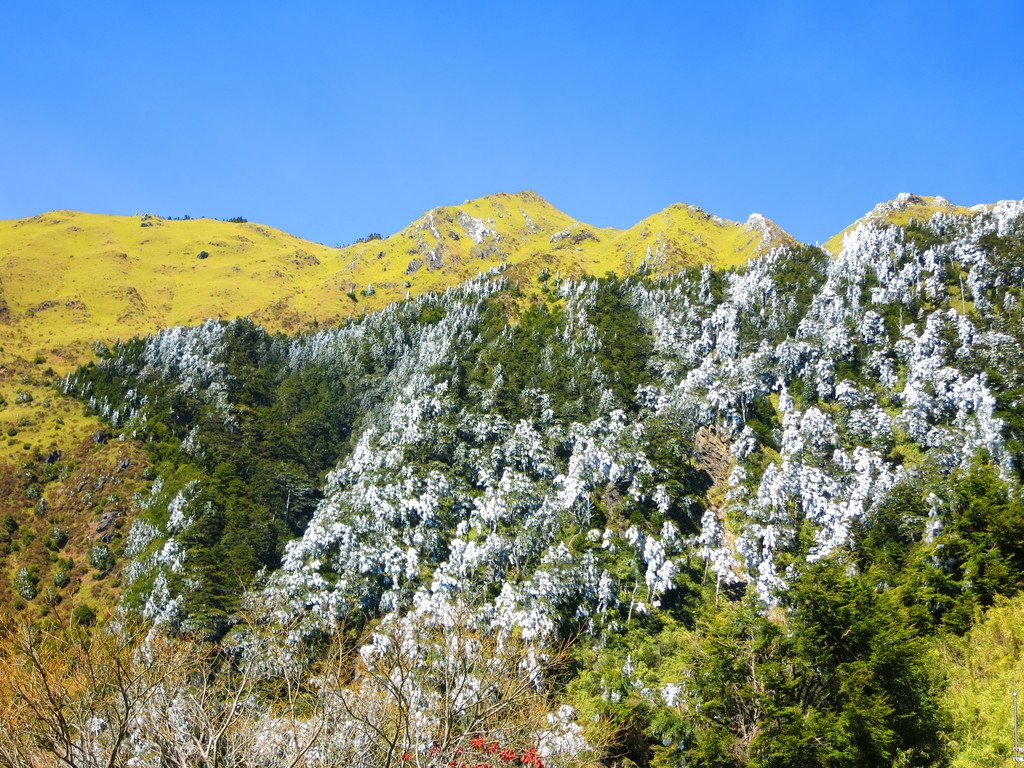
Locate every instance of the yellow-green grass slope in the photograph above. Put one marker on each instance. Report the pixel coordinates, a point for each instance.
(68, 279)
(983, 669)
(71, 278)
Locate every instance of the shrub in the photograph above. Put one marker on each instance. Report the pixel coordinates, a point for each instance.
(58, 537)
(101, 558)
(83, 615)
(26, 583)
(62, 574)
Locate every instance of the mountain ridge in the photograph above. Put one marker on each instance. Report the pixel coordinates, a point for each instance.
(68, 278)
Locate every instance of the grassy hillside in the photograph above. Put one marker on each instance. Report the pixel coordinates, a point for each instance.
(529, 234)
(684, 235)
(71, 278)
(68, 279)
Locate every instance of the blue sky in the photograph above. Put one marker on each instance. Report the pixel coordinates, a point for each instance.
(333, 120)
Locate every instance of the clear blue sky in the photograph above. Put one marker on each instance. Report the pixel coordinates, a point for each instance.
(336, 119)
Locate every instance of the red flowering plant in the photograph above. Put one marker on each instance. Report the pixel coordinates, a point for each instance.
(478, 752)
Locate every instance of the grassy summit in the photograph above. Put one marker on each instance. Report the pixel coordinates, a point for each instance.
(68, 278)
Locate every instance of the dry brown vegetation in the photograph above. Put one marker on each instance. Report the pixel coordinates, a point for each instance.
(406, 694)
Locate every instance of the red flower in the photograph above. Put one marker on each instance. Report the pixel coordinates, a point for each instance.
(407, 755)
(477, 742)
(507, 755)
(434, 751)
(493, 747)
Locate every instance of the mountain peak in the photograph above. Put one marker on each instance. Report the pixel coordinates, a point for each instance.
(900, 211)
(526, 197)
(907, 201)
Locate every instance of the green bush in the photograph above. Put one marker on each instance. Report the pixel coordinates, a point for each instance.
(62, 574)
(101, 558)
(26, 583)
(58, 538)
(83, 615)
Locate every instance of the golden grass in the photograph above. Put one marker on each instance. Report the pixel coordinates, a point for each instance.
(71, 278)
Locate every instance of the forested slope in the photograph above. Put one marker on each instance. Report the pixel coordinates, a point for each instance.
(756, 500)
